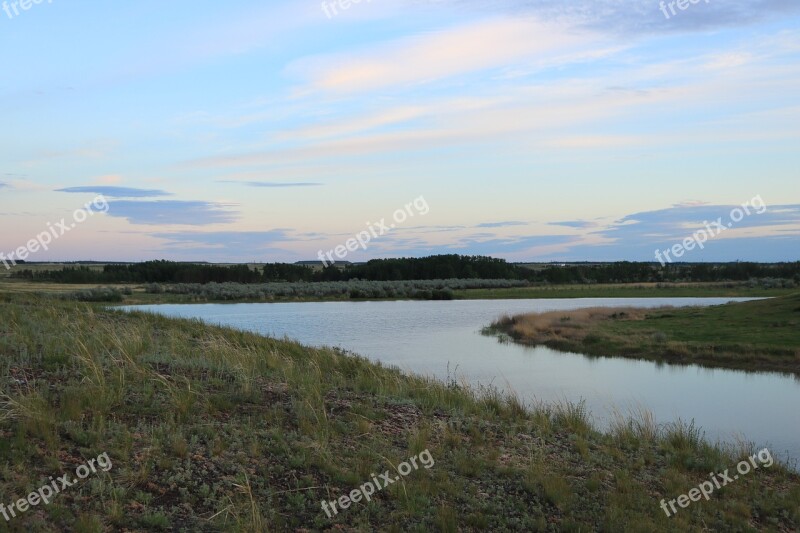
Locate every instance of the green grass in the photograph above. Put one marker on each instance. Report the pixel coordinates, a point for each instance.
(211, 429)
(757, 335)
(626, 290)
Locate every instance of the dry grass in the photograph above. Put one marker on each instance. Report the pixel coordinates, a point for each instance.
(21, 286)
(760, 335)
(539, 328)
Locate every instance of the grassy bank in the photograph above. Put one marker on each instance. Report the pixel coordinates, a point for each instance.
(211, 429)
(628, 290)
(512, 293)
(757, 335)
(132, 294)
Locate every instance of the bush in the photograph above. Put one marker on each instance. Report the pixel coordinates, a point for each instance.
(96, 295)
(154, 288)
(441, 289)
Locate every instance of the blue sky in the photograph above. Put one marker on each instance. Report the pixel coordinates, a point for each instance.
(534, 130)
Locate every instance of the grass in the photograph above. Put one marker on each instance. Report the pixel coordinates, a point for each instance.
(628, 290)
(762, 335)
(139, 296)
(212, 429)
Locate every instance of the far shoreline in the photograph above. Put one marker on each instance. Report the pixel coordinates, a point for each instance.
(759, 335)
(137, 294)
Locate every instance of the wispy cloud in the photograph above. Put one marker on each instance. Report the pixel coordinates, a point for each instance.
(273, 184)
(674, 222)
(635, 16)
(580, 224)
(764, 236)
(497, 245)
(501, 224)
(547, 111)
(116, 192)
(691, 203)
(227, 245)
(441, 54)
(172, 212)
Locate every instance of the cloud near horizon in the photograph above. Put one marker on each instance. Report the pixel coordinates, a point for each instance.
(501, 224)
(638, 235)
(116, 192)
(580, 224)
(172, 212)
(632, 237)
(273, 184)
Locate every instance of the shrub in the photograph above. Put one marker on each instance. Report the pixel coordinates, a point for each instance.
(104, 294)
(420, 289)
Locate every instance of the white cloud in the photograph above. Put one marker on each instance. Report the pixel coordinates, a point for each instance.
(475, 47)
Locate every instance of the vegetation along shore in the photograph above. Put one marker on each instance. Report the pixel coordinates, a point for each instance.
(439, 277)
(755, 335)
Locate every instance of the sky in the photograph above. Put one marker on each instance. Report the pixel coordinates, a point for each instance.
(531, 130)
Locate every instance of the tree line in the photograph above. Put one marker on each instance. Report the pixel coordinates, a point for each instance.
(425, 268)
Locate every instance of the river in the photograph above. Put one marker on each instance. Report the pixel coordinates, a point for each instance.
(443, 339)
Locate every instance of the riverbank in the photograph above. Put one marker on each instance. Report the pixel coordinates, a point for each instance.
(761, 335)
(216, 429)
(629, 290)
(133, 294)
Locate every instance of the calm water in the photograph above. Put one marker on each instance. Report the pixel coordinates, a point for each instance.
(430, 337)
